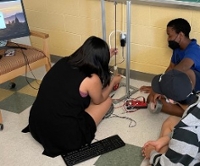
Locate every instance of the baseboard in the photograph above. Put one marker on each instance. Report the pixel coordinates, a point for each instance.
(133, 74)
(55, 58)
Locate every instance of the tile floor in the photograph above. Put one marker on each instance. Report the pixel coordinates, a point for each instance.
(21, 149)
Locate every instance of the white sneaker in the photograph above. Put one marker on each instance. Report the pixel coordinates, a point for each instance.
(145, 162)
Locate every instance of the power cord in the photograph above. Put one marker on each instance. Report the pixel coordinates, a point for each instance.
(26, 71)
(122, 42)
(109, 38)
(125, 117)
(28, 65)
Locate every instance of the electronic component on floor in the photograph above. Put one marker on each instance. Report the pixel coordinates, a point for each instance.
(94, 149)
(132, 104)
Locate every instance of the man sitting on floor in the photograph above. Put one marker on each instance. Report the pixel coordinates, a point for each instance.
(185, 57)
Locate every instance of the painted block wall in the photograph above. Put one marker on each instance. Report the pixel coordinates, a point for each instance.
(70, 22)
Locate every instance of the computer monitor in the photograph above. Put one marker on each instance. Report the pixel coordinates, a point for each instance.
(13, 22)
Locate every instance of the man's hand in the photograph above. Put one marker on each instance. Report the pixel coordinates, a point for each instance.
(159, 143)
(146, 151)
(156, 96)
(145, 89)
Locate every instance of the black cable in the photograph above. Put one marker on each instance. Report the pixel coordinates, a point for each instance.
(15, 47)
(26, 70)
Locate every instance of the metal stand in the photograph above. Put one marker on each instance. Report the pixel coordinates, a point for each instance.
(127, 85)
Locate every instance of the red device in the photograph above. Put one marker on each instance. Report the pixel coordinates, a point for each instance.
(116, 87)
(135, 103)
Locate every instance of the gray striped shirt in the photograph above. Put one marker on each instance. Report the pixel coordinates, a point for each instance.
(184, 146)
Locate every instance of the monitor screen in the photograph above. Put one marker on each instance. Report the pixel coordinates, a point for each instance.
(13, 23)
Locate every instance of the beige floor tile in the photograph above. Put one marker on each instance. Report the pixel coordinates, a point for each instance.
(31, 89)
(5, 93)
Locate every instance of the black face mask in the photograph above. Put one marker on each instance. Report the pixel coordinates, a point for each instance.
(173, 44)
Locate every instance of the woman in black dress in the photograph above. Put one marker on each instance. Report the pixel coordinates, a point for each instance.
(72, 99)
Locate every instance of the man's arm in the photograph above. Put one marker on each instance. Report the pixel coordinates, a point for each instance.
(170, 67)
(184, 65)
(179, 146)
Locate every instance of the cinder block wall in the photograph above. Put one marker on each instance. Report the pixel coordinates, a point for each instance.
(70, 22)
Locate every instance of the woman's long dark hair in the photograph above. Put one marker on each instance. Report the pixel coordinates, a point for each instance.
(93, 57)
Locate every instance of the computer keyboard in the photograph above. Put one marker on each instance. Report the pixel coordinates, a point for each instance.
(94, 149)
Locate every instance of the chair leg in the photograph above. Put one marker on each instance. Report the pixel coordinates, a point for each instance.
(48, 65)
(1, 121)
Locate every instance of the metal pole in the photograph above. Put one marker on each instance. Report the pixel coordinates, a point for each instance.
(128, 46)
(103, 19)
(128, 15)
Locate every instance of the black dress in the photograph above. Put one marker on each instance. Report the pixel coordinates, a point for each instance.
(57, 118)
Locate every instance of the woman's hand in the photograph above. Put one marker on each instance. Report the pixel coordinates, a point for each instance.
(113, 51)
(116, 79)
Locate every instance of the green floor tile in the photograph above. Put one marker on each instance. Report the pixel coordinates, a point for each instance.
(129, 155)
(20, 82)
(31, 89)
(17, 102)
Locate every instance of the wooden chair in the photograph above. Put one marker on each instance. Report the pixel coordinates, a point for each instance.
(14, 66)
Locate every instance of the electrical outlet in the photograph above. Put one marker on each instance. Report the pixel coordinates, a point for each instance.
(123, 36)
